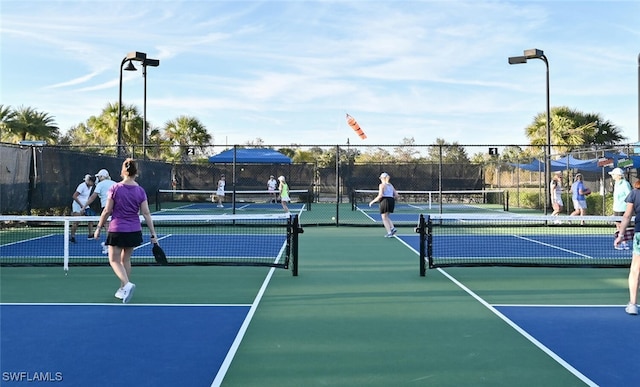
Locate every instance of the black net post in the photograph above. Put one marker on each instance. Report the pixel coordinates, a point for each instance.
(296, 230)
(421, 229)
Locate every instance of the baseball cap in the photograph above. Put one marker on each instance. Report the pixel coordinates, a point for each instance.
(87, 177)
(617, 171)
(384, 174)
(281, 178)
(102, 173)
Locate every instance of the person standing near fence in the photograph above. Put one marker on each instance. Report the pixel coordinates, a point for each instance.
(220, 190)
(621, 189)
(578, 191)
(556, 194)
(78, 206)
(101, 191)
(284, 193)
(125, 201)
(272, 184)
(387, 196)
(632, 207)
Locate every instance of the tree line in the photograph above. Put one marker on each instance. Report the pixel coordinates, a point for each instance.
(570, 129)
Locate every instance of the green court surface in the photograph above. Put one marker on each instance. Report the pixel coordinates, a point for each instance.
(358, 314)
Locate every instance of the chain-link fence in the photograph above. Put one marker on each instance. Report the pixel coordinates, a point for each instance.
(37, 179)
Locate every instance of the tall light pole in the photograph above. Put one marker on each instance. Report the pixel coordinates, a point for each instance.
(145, 63)
(534, 53)
(138, 56)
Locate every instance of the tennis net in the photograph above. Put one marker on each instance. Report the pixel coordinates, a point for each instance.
(191, 201)
(242, 240)
(484, 240)
(440, 201)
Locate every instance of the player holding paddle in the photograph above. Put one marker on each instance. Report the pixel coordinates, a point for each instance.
(387, 196)
(125, 201)
(633, 207)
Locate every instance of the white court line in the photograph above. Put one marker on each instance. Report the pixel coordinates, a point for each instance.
(367, 215)
(524, 333)
(515, 326)
(224, 367)
(28, 240)
(553, 246)
(115, 304)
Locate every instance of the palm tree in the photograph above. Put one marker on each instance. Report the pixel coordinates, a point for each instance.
(104, 128)
(7, 116)
(30, 124)
(184, 131)
(571, 128)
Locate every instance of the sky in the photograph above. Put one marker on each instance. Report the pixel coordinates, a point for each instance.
(288, 72)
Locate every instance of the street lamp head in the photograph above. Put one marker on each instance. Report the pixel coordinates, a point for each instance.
(533, 53)
(135, 55)
(130, 67)
(151, 62)
(517, 59)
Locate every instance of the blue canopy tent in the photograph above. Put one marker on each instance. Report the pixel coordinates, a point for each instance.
(250, 156)
(538, 166)
(570, 162)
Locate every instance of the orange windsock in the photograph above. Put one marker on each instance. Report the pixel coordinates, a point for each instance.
(355, 126)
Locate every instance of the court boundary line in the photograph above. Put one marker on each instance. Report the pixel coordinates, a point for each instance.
(119, 304)
(520, 330)
(226, 363)
(513, 325)
(557, 306)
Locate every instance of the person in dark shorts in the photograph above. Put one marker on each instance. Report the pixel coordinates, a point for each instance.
(125, 201)
(387, 196)
(633, 207)
(621, 189)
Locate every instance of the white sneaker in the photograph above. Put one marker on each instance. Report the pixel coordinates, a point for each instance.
(105, 249)
(631, 309)
(119, 294)
(127, 292)
(625, 245)
(220, 206)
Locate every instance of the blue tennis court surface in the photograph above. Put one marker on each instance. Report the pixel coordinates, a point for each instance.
(116, 345)
(396, 217)
(293, 207)
(514, 247)
(175, 245)
(600, 342)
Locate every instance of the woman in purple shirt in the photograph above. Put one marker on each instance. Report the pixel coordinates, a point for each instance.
(125, 201)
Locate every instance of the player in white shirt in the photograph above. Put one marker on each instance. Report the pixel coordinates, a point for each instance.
(102, 187)
(272, 185)
(78, 206)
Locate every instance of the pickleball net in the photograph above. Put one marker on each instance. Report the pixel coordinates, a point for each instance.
(239, 240)
(448, 240)
(194, 201)
(437, 201)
